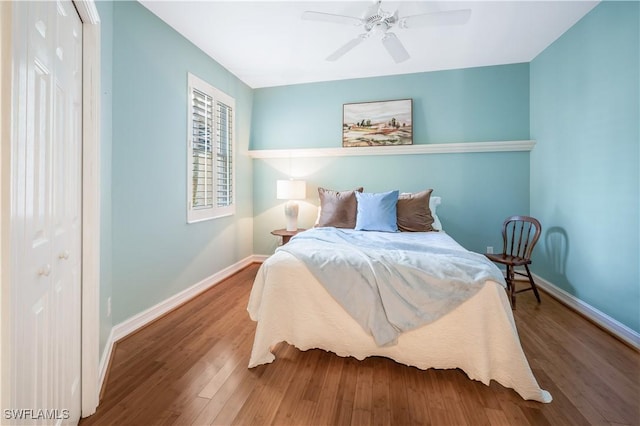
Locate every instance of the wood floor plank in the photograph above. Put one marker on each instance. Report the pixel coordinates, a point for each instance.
(218, 401)
(452, 400)
(434, 399)
(219, 379)
(496, 417)
(326, 406)
(190, 368)
(470, 404)
(190, 410)
(401, 409)
(191, 383)
(381, 410)
(234, 404)
(346, 393)
(263, 403)
(295, 391)
(362, 402)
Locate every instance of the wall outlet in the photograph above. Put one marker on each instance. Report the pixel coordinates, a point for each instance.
(109, 308)
(490, 249)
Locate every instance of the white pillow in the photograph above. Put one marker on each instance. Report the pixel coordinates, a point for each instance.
(434, 202)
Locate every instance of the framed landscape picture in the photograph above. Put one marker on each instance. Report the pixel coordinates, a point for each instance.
(377, 123)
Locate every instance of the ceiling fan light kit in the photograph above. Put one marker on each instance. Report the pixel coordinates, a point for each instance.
(377, 20)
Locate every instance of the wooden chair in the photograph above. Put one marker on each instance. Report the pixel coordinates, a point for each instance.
(519, 235)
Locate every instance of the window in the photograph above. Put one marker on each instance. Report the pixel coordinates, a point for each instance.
(211, 148)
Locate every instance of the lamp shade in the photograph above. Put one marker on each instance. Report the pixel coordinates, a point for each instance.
(291, 190)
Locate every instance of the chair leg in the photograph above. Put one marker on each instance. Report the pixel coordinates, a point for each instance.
(511, 286)
(534, 287)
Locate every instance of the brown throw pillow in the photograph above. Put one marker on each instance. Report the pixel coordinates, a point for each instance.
(338, 208)
(414, 214)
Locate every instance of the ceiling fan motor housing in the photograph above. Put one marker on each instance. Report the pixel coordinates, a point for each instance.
(381, 18)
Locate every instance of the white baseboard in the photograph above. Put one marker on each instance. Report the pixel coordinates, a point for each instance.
(136, 322)
(260, 258)
(624, 333)
(104, 361)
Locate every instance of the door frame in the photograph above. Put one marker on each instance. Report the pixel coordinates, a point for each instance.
(90, 280)
(90, 204)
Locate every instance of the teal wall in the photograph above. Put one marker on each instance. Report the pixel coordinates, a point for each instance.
(467, 105)
(156, 254)
(471, 105)
(584, 170)
(105, 9)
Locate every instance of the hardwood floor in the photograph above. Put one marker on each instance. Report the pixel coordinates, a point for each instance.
(190, 368)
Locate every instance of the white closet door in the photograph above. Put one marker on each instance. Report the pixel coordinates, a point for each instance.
(46, 350)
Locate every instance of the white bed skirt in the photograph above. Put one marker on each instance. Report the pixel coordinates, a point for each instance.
(479, 336)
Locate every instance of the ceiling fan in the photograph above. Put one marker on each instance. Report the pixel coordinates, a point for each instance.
(377, 20)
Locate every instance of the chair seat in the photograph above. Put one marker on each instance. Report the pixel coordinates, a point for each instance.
(507, 259)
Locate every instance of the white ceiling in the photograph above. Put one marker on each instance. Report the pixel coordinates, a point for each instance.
(266, 43)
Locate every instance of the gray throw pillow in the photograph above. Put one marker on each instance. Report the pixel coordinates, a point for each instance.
(338, 208)
(414, 214)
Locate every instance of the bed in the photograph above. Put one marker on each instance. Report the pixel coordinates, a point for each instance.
(291, 302)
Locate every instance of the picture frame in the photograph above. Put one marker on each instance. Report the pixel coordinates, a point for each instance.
(377, 123)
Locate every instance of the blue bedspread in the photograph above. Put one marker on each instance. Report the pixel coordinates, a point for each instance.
(392, 282)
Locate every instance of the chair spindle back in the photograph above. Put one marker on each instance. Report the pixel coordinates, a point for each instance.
(520, 234)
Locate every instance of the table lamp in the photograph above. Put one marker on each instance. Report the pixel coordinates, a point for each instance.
(291, 190)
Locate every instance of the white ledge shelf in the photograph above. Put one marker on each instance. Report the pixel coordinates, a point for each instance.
(440, 148)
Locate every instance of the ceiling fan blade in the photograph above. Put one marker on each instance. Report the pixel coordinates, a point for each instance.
(347, 47)
(395, 47)
(330, 17)
(449, 17)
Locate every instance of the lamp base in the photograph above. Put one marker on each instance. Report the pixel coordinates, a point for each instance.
(291, 214)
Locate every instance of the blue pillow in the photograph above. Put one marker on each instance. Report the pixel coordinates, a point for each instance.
(377, 211)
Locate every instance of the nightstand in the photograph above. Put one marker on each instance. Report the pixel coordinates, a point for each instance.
(286, 235)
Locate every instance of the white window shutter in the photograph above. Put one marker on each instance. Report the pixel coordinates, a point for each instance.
(202, 150)
(211, 149)
(224, 155)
